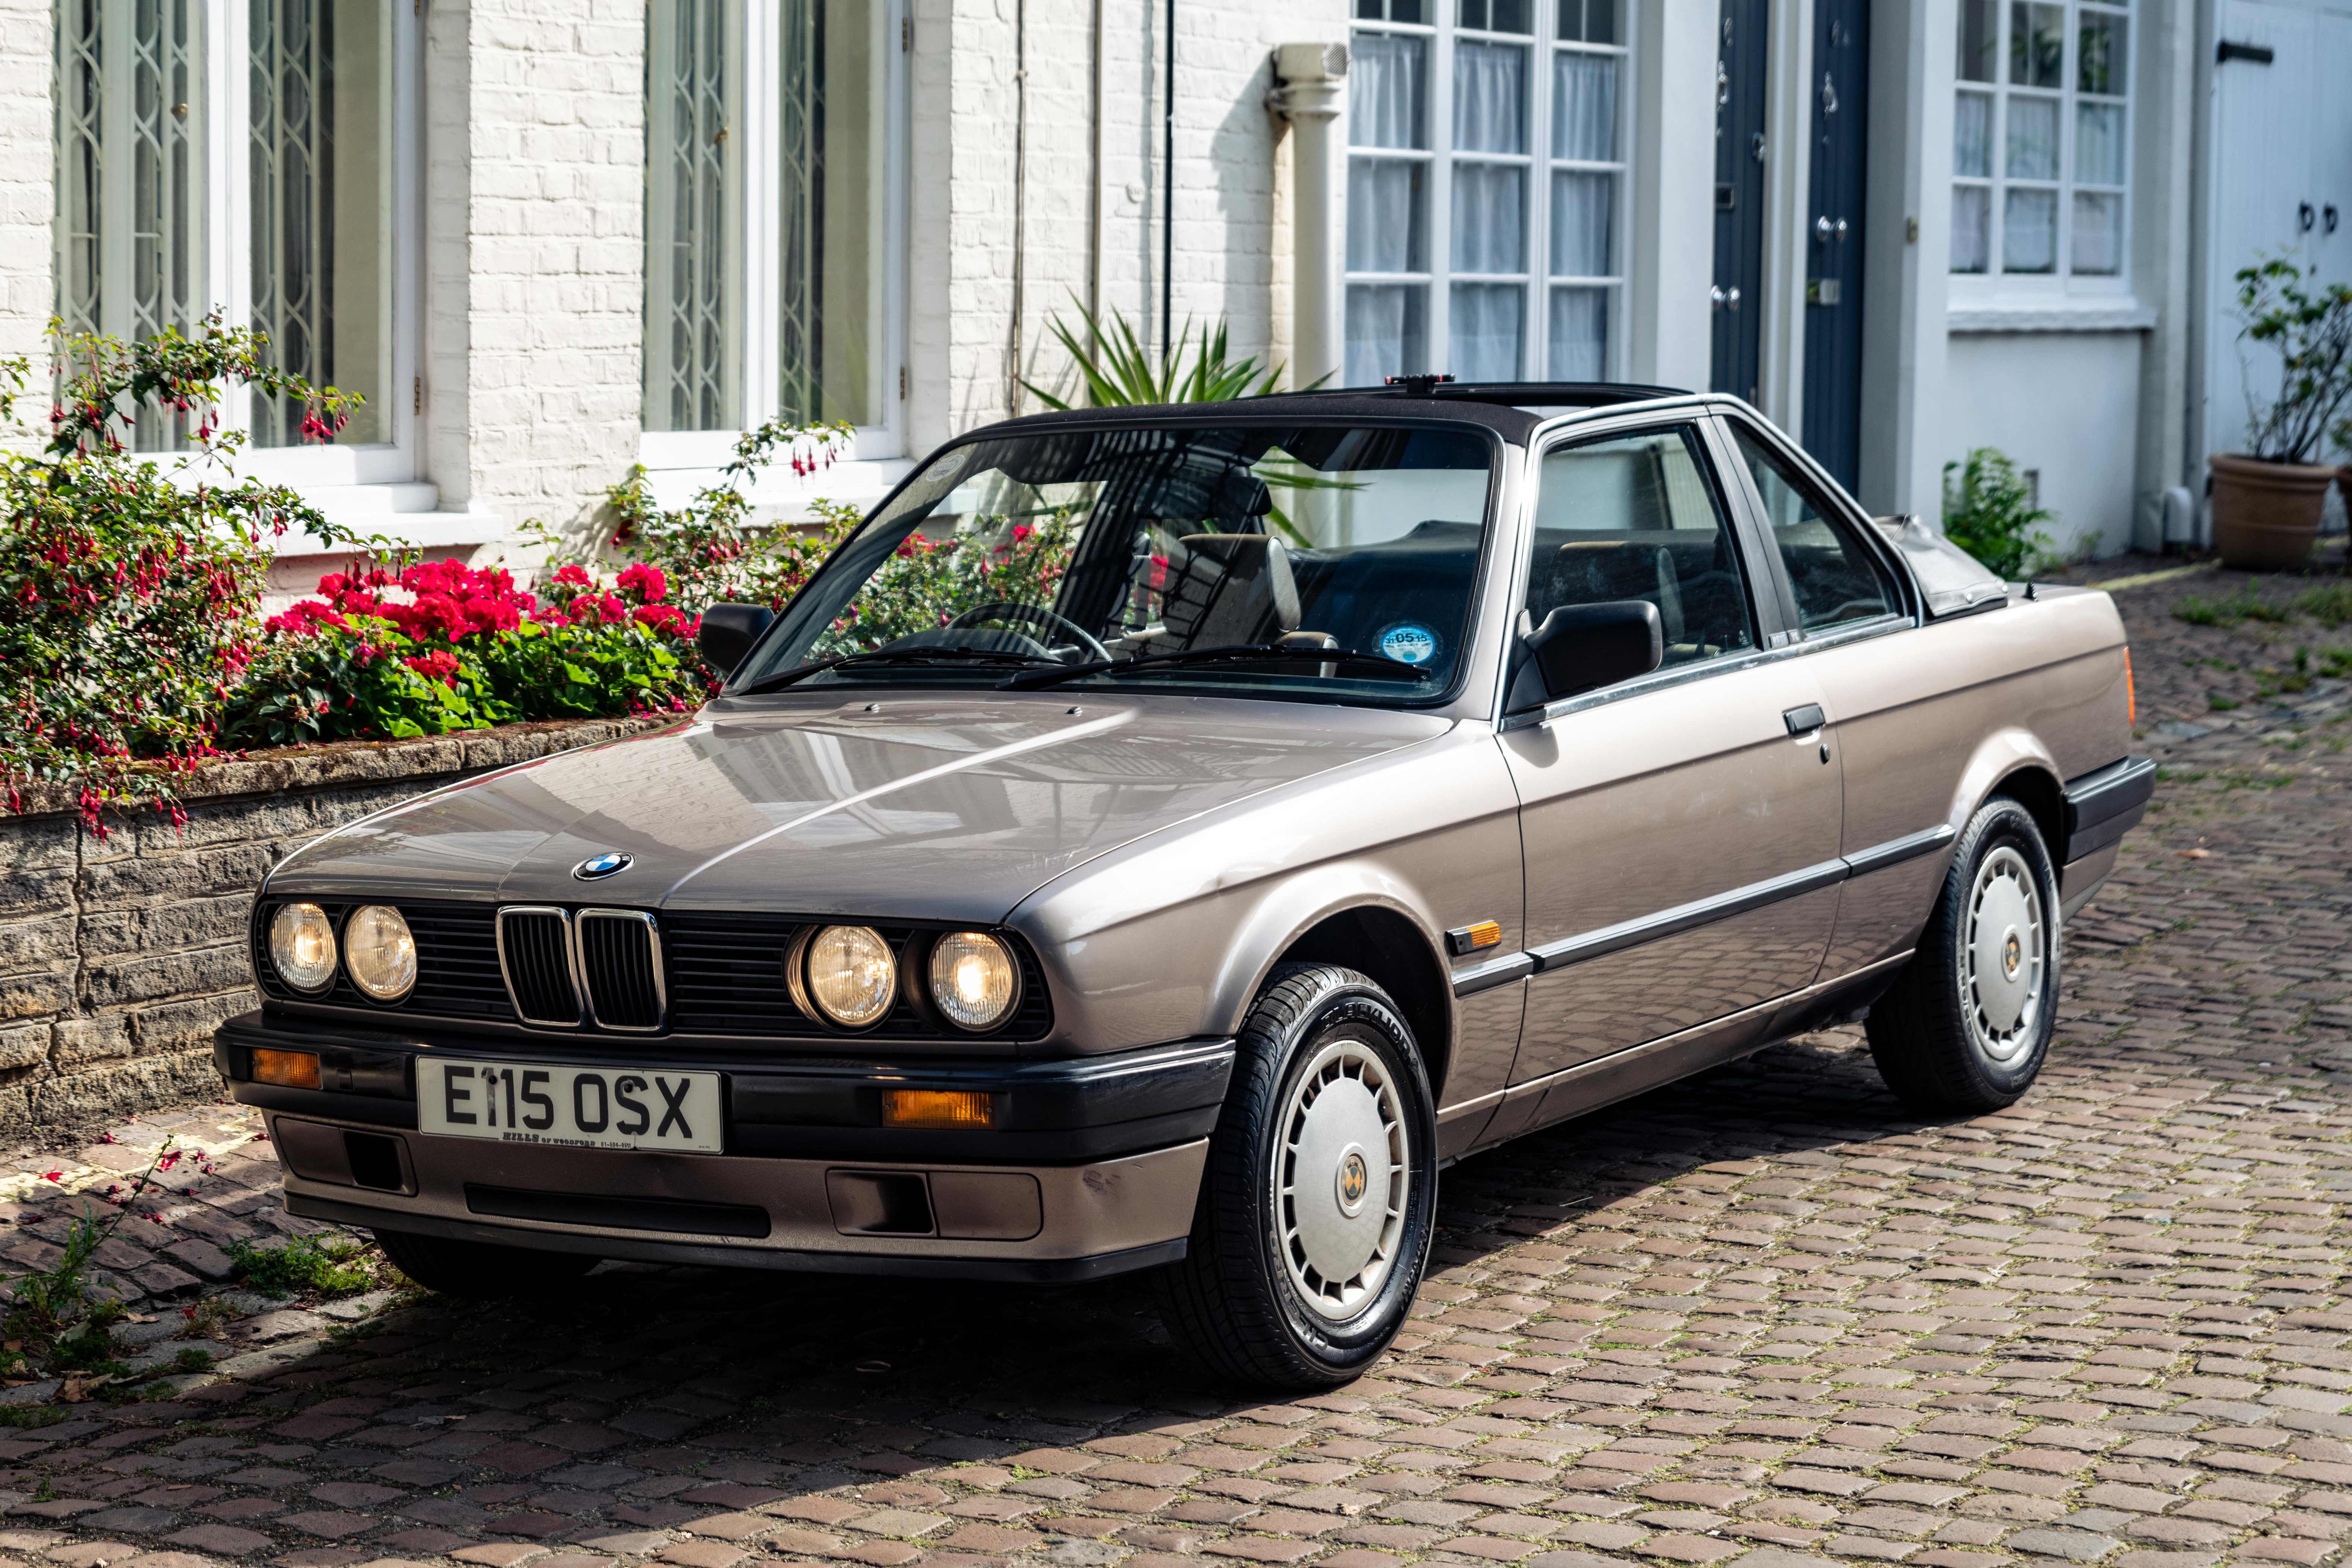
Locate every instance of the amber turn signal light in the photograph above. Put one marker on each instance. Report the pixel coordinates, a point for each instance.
(287, 1070)
(2131, 696)
(937, 1108)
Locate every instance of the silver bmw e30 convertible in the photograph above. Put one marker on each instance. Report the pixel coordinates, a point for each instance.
(1165, 838)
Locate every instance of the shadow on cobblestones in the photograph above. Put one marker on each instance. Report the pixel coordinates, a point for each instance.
(1763, 1315)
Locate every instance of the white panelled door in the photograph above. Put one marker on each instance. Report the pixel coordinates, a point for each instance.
(2282, 165)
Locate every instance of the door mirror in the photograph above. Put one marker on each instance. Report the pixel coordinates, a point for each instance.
(1580, 647)
(728, 632)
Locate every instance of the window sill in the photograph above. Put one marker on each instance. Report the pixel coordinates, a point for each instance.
(2118, 314)
(781, 496)
(404, 514)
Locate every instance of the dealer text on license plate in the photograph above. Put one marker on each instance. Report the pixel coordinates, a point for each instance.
(578, 1107)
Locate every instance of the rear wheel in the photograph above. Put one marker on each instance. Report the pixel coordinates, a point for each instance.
(482, 1270)
(1968, 1023)
(1317, 1207)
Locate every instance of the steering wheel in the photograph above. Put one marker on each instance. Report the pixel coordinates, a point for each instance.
(1853, 607)
(1007, 610)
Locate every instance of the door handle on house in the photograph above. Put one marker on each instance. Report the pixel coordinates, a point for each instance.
(2328, 215)
(2303, 216)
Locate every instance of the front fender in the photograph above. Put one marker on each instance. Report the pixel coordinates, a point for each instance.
(1171, 937)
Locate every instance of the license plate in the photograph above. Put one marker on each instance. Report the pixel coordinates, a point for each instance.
(571, 1107)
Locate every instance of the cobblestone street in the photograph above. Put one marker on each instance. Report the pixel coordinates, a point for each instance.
(1761, 1316)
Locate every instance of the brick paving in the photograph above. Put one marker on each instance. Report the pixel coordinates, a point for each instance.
(1760, 1317)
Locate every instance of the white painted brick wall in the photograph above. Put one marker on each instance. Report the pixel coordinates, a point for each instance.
(27, 198)
(1227, 147)
(534, 253)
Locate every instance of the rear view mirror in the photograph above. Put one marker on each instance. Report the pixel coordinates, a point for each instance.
(728, 632)
(1581, 647)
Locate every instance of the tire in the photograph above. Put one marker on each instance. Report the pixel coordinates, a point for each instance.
(1968, 1023)
(481, 1270)
(1327, 1076)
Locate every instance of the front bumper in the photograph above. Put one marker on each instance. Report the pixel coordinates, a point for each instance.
(1093, 1169)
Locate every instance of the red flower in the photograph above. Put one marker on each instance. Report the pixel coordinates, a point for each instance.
(644, 584)
(440, 665)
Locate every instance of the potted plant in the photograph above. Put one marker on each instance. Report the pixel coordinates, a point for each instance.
(2267, 501)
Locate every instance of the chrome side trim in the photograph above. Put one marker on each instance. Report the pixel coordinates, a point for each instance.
(571, 966)
(1895, 851)
(1664, 679)
(1683, 917)
(1493, 973)
(653, 953)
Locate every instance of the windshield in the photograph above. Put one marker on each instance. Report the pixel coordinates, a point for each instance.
(1328, 562)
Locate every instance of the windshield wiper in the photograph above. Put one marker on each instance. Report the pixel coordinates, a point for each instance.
(768, 683)
(1252, 652)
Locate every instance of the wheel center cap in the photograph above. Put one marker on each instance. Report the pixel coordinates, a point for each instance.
(1353, 1178)
(2012, 954)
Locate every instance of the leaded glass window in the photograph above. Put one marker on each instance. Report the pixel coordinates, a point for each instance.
(831, 219)
(694, 215)
(128, 132)
(321, 190)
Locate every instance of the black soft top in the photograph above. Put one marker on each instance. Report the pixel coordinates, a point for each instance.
(1510, 409)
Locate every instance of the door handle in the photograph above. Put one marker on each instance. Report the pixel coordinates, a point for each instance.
(2304, 214)
(1806, 719)
(2328, 215)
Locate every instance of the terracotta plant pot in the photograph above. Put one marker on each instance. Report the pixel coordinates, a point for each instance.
(2267, 515)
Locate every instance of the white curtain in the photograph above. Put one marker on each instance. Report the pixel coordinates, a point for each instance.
(1388, 91)
(2098, 232)
(1384, 216)
(2032, 150)
(1971, 228)
(1972, 135)
(1489, 207)
(1385, 330)
(1580, 335)
(2099, 143)
(2029, 232)
(1490, 98)
(1584, 106)
(1486, 324)
(1583, 209)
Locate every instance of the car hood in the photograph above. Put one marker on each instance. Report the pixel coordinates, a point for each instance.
(913, 806)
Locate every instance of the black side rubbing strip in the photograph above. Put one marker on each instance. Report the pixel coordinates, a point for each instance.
(1509, 967)
(2104, 805)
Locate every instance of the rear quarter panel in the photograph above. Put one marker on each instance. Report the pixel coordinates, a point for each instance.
(1933, 719)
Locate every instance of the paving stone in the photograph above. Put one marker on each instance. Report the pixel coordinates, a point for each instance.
(222, 1540)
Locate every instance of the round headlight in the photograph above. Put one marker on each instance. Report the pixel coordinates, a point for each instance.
(380, 952)
(974, 982)
(850, 974)
(302, 946)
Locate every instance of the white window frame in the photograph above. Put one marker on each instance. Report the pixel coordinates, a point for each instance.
(230, 214)
(1544, 46)
(1995, 285)
(223, 200)
(762, 261)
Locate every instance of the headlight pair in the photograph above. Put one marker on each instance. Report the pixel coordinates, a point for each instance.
(849, 976)
(378, 951)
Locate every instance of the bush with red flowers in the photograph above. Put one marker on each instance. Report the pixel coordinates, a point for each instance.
(130, 578)
(441, 646)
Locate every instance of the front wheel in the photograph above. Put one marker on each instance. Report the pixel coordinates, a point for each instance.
(1317, 1207)
(1968, 1023)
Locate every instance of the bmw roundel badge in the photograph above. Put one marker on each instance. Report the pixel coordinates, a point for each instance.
(596, 868)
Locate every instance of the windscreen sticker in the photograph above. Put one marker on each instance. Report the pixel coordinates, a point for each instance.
(1409, 642)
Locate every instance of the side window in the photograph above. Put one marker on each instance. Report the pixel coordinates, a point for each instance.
(1636, 517)
(1835, 577)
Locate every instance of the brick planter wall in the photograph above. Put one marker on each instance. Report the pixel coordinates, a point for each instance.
(118, 955)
